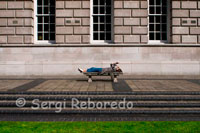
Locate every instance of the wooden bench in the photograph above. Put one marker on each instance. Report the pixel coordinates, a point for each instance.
(113, 75)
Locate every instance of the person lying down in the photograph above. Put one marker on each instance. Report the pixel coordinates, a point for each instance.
(113, 68)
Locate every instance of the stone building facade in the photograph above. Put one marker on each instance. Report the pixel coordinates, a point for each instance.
(163, 35)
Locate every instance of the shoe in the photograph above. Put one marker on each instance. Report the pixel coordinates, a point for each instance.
(80, 70)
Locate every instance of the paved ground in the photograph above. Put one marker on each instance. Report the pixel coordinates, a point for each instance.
(99, 85)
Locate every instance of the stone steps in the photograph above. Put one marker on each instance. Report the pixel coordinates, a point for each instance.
(142, 102)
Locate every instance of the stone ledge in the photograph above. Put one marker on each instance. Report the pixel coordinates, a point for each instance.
(99, 45)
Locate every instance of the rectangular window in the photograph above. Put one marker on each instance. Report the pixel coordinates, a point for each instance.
(158, 15)
(45, 21)
(101, 21)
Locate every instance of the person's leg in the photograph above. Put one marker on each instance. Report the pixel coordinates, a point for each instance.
(94, 69)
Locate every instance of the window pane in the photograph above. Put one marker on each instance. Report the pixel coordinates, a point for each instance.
(102, 10)
(158, 2)
(108, 10)
(40, 27)
(52, 28)
(102, 36)
(52, 36)
(108, 36)
(157, 36)
(151, 2)
(151, 19)
(52, 19)
(52, 10)
(164, 10)
(39, 2)
(164, 27)
(95, 27)
(164, 19)
(158, 10)
(95, 37)
(46, 19)
(108, 2)
(46, 36)
(102, 2)
(46, 10)
(95, 19)
(46, 27)
(95, 10)
(108, 27)
(108, 19)
(39, 10)
(164, 36)
(102, 19)
(102, 27)
(40, 36)
(46, 2)
(157, 27)
(158, 19)
(151, 27)
(40, 19)
(151, 10)
(151, 36)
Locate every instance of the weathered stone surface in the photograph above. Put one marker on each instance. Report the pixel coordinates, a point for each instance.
(64, 13)
(176, 39)
(3, 39)
(189, 4)
(194, 13)
(122, 12)
(60, 21)
(131, 21)
(24, 30)
(180, 13)
(3, 5)
(85, 4)
(118, 21)
(82, 13)
(144, 4)
(3, 22)
(28, 4)
(15, 22)
(118, 39)
(176, 4)
(24, 13)
(176, 21)
(86, 21)
(118, 4)
(139, 30)
(189, 39)
(144, 38)
(60, 39)
(15, 5)
(122, 30)
(194, 30)
(73, 39)
(86, 39)
(15, 39)
(131, 4)
(72, 4)
(64, 30)
(28, 22)
(28, 39)
(189, 21)
(139, 13)
(131, 38)
(7, 30)
(180, 30)
(60, 4)
(81, 30)
(144, 21)
(7, 13)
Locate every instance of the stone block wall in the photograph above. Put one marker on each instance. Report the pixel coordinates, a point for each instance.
(186, 22)
(72, 22)
(16, 22)
(130, 21)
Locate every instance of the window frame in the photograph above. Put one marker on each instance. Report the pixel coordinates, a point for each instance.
(168, 25)
(91, 25)
(36, 41)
